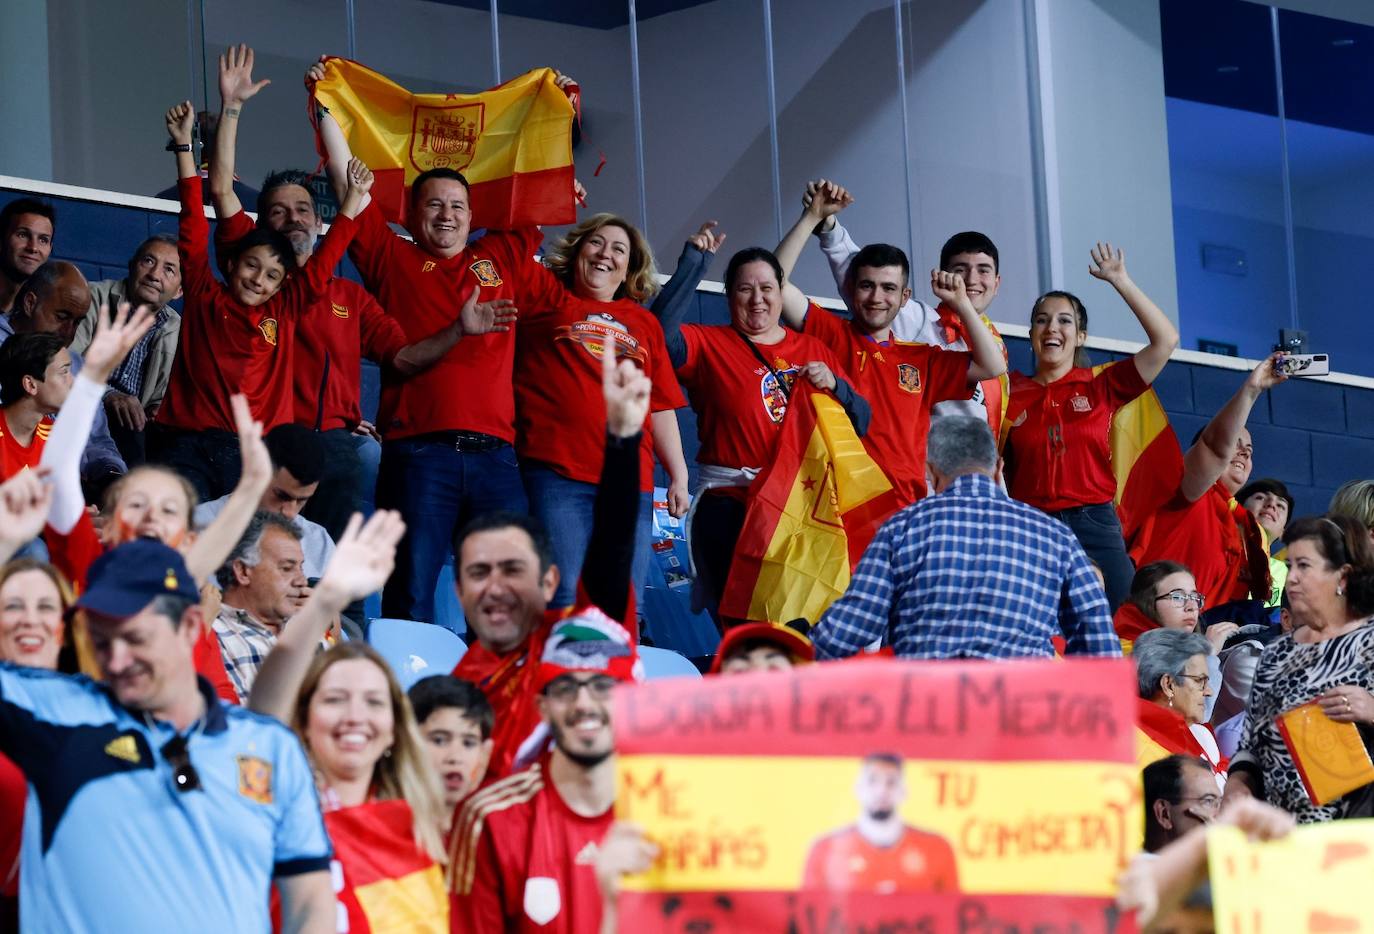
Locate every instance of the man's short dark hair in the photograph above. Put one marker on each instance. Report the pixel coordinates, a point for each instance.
(969, 241)
(25, 354)
(1163, 781)
(172, 606)
(278, 243)
(41, 283)
(504, 519)
(876, 256)
(299, 450)
(168, 239)
(884, 758)
(430, 175)
(19, 206)
(280, 179)
(1267, 485)
(439, 691)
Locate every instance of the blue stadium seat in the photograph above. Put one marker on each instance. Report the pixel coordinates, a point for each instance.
(662, 663)
(415, 650)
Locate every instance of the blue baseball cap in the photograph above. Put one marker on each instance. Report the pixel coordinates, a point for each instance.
(125, 579)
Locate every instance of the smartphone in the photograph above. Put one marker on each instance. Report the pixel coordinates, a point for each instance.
(1303, 364)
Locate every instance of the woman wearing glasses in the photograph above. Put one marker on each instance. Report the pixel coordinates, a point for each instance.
(1328, 659)
(1172, 680)
(1058, 456)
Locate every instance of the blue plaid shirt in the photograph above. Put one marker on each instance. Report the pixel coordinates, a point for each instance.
(970, 573)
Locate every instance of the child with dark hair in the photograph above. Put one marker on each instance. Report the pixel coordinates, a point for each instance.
(456, 721)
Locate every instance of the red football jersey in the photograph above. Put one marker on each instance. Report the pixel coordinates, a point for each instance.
(470, 388)
(1209, 536)
(1058, 450)
(846, 862)
(346, 325)
(228, 348)
(15, 456)
(560, 412)
(522, 860)
(739, 401)
(901, 381)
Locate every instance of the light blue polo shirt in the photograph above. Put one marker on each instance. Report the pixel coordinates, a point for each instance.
(111, 844)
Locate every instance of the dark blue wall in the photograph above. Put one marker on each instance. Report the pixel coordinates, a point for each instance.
(1313, 436)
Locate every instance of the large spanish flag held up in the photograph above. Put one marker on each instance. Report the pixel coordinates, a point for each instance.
(811, 514)
(889, 796)
(512, 143)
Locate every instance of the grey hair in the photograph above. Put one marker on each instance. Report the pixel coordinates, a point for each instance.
(248, 551)
(1161, 652)
(960, 443)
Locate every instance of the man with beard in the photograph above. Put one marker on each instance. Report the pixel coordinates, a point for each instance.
(140, 382)
(880, 853)
(902, 381)
(525, 848)
(27, 227)
(346, 325)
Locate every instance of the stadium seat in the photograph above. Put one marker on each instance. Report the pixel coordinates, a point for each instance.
(415, 650)
(662, 663)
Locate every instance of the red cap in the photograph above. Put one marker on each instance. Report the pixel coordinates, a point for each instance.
(794, 643)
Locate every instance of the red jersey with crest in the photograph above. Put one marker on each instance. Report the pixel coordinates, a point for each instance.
(901, 382)
(739, 401)
(15, 456)
(523, 861)
(227, 347)
(560, 413)
(845, 861)
(470, 388)
(1058, 450)
(346, 325)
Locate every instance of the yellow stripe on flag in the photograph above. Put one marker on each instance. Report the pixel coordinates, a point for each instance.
(414, 903)
(1064, 828)
(1135, 426)
(806, 564)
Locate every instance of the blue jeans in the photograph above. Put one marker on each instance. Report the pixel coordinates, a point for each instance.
(438, 490)
(565, 507)
(1099, 532)
(369, 453)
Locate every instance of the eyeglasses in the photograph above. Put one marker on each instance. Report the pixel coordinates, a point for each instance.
(184, 774)
(1180, 597)
(1210, 802)
(566, 689)
(1199, 680)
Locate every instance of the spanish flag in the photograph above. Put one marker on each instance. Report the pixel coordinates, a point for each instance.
(1146, 459)
(512, 143)
(389, 883)
(811, 514)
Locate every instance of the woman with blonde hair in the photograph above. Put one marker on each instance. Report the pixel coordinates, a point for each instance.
(598, 277)
(1356, 500)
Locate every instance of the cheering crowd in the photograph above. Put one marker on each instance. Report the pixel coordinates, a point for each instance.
(182, 520)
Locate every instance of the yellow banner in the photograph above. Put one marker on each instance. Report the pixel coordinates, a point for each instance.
(1014, 828)
(1315, 879)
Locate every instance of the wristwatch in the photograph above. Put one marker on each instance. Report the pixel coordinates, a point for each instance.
(173, 146)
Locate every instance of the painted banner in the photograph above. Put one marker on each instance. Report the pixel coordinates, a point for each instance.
(883, 795)
(1312, 880)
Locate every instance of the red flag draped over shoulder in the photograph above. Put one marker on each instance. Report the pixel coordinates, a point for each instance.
(512, 143)
(389, 883)
(811, 514)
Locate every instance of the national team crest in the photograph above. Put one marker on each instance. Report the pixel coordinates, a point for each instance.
(255, 779)
(485, 271)
(445, 137)
(268, 327)
(908, 377)
(775, 391)
(340, 311)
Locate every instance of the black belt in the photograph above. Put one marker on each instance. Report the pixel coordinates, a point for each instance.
(463, 441)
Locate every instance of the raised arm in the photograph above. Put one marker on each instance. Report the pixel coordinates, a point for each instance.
(1109, 265)
(236, 87)
(1206, 460)
(314, 276)
(611, 548)
(363, 560)
(212, 546)
(826, 199)
(114, 337)
(337, 153)
(696, 258)
(988, 361)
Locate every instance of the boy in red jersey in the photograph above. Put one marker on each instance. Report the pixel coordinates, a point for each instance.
(902, 381)
(237, 336)
(525, 848)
